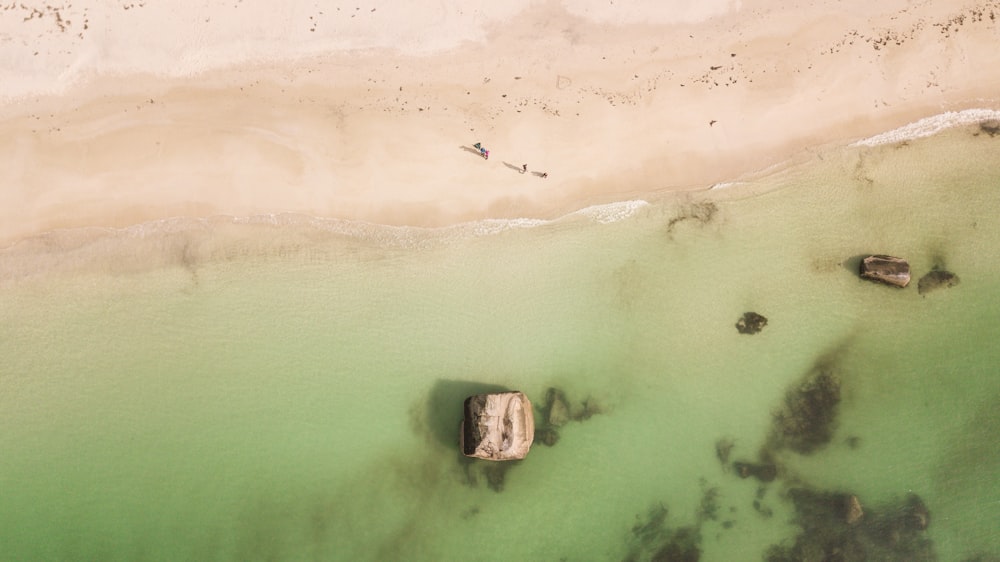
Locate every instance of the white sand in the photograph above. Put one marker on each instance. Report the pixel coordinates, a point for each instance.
(132, 112)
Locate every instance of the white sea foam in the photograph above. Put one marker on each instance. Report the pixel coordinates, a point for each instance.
(487, 227)
(612, 212)
(930, 126)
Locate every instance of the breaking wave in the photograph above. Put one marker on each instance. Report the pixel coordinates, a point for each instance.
(931, 126)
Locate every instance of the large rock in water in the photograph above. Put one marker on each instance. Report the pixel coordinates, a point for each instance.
(886, 269)
(497, 427)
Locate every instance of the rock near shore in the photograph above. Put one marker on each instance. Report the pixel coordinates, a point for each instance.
(497, 427)
(886, 269)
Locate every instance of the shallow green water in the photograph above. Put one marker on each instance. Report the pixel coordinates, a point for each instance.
(224, 390)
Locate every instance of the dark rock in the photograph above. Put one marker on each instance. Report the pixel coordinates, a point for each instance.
(886, 269)
(750, 323)
(765, 472)
(936, 279)
(805, 423)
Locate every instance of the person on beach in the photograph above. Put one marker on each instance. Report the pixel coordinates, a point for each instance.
(524, 168)
(482, 150)
(545, 174)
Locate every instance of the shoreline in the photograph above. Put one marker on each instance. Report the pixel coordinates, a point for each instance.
(615, 111)
(184, 242)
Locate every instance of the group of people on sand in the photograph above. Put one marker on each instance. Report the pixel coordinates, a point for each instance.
(485, 153)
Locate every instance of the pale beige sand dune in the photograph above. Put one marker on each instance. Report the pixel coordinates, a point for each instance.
(131, 112)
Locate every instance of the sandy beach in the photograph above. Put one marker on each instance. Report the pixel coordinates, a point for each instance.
(117, 114)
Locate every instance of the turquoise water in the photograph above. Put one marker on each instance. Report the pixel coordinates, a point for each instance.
(290, 389)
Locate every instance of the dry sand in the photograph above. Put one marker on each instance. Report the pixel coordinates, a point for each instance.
(124, 112)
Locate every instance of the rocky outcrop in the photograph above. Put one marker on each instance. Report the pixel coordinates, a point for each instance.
(750, 323)
(497, 427)
(936, 279)
(886, 269)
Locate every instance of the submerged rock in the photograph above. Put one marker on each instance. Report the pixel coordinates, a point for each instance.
(835, 527)
(650, 531)
(682, 546)
(556, 409)
(765, 472)
(936, 279)
(886, 269)
(588, 408)
(852, 510)
(915, 515)
(547, 436)
(806, 421)
(750, 323)
(708, 509)
(497, 426)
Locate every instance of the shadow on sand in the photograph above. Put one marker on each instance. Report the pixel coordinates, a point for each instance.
(472, 150)
(517, 169)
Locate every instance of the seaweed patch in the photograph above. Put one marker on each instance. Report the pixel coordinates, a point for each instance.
(702, 213)
(836, 526)
(806, 421)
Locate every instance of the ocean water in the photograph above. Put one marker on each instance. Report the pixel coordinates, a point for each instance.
(286, 388)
